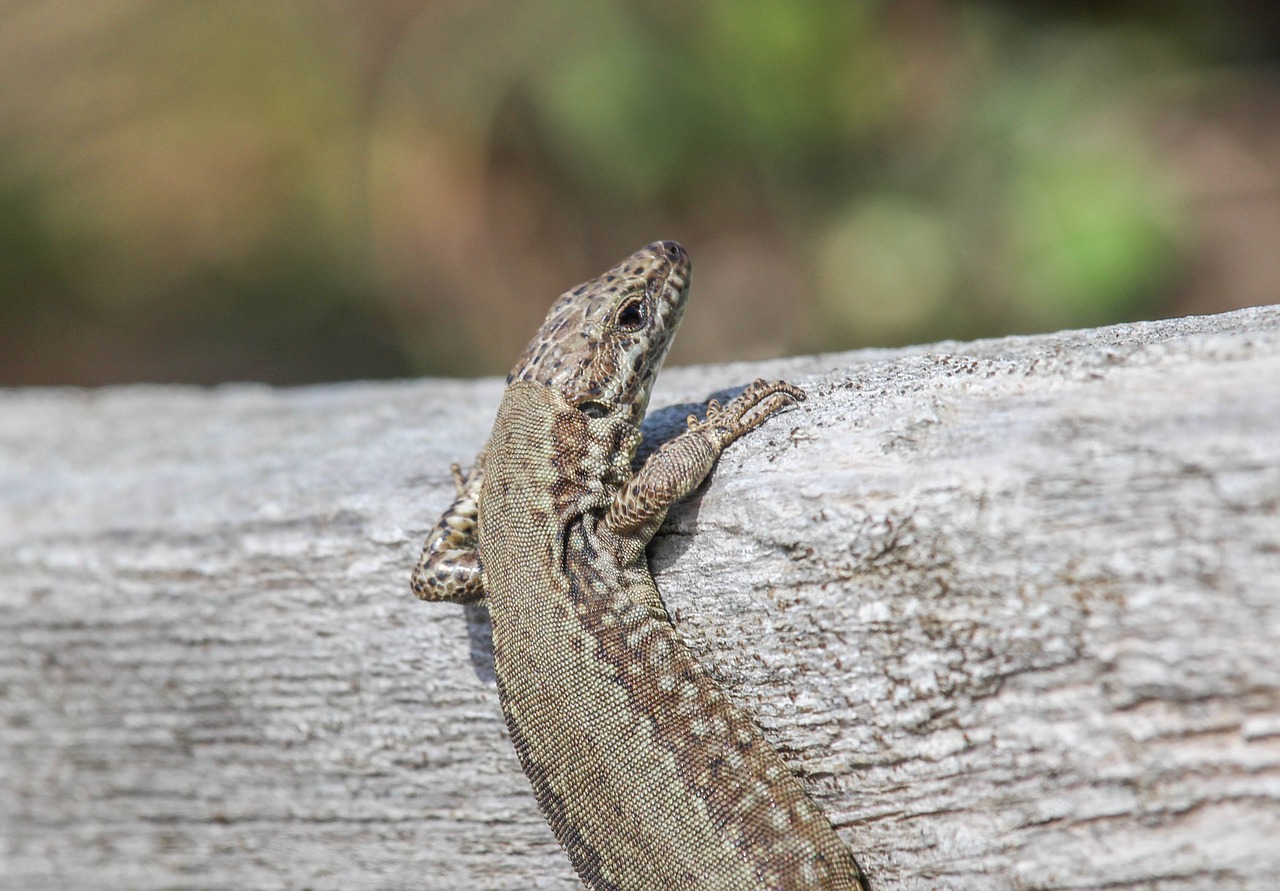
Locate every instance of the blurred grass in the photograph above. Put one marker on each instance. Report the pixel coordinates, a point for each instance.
(302, 191)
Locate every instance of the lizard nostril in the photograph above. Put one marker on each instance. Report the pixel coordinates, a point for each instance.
(674, 250)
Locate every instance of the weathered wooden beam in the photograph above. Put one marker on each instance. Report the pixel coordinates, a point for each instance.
(1011, 608)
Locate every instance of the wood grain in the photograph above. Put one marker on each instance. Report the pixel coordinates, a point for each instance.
(1009, 607)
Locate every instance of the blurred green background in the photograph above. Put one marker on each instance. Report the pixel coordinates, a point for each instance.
(283, 191)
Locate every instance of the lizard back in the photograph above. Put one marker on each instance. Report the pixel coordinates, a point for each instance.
(648, 775)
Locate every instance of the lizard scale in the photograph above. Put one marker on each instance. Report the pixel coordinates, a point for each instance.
(650, 778)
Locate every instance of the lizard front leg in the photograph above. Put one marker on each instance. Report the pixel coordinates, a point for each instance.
(681, 464)
(449, 568)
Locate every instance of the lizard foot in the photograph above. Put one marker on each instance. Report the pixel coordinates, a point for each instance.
(752, 407)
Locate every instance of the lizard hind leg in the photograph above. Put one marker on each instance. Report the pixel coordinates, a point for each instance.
(449, 568)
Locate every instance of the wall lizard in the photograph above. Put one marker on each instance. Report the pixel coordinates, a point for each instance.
(648, 775)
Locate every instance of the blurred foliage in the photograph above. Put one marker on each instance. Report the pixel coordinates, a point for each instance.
(301, 191)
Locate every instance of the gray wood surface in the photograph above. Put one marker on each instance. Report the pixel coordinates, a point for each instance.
(1011, 608)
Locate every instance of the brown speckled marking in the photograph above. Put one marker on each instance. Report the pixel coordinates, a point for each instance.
(648, 775)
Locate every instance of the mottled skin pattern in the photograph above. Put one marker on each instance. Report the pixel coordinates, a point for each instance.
(649, 776)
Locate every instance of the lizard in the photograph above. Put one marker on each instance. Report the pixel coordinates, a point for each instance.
(649, 776)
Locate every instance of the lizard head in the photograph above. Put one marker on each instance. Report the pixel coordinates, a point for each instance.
(603, 342)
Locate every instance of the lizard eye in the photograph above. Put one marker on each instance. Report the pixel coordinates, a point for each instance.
(593, 409)
(632, 314)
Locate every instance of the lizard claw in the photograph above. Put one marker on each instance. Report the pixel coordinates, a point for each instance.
(752, 407)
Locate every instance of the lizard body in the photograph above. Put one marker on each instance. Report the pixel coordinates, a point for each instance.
(648, 775)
